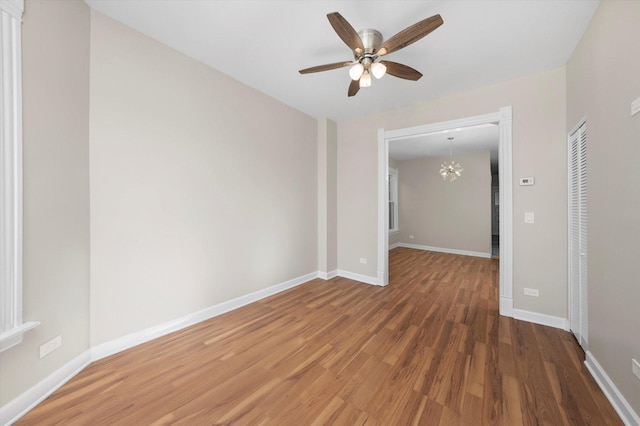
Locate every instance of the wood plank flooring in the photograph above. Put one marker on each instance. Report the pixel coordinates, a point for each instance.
(428, 349)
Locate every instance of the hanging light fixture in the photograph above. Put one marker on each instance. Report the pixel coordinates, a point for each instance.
(453, 170)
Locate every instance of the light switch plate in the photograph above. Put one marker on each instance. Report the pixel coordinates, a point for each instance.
(527, 181)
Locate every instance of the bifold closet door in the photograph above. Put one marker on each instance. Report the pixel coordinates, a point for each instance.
(578, 290)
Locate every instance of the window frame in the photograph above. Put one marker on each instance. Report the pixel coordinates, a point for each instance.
(11, 326)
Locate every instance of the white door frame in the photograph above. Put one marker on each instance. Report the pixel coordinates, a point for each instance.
(504, 120)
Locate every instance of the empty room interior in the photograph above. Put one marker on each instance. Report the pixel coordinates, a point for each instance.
(320, 212)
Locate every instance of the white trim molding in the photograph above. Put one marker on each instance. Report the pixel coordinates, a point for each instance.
(358, 277)
(15, 8)
(11, 326)
(328, 275)
(506, 306)
(503, 118)
(396, 245)
(542, 319)
(12, 411)
(611, 391)
(13, 336)
(446, 250)
(383, 211)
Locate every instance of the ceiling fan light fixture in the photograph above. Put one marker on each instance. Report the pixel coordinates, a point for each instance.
(367, 46)
(355, 72)
(365, 80)
(378, 69)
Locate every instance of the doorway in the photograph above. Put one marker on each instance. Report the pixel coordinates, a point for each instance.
(503, 118)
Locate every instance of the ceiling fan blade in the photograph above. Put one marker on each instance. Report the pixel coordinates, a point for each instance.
(346, 32)
(325, 67)
(401, 71)
(410, 35)
(353, 88)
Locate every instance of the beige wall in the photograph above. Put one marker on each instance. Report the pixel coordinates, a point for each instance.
(603, 78)
(327, 187)
(202, 189)
(55, 56)
(452, 215)
(539, 150)
(332, 197)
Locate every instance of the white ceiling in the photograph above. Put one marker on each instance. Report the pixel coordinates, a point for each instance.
(265, 43)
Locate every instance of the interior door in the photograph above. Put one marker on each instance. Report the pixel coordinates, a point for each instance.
(578, 277)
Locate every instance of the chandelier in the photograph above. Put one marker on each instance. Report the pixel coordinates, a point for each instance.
(452, 170)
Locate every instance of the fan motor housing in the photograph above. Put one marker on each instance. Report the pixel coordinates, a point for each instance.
(371, 39)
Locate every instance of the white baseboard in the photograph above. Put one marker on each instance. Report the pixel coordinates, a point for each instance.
(507, 310)
(358, 277)
(447, 250)
(506, 307)
(12, 411)
(130, 340)
(542, 319)
(392, 246)
(620, 404)
(328, 275)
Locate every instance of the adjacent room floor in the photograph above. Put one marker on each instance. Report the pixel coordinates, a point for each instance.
(428, 349)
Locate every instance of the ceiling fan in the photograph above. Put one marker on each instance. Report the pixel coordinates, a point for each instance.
(367, 46)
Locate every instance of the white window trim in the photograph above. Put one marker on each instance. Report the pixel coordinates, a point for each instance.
(11, 326)
(393, 187)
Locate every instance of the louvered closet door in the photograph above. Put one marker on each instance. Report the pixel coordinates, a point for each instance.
(578, 234)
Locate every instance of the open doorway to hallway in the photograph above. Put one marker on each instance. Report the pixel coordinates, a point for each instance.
(502, 119)
(442, 213)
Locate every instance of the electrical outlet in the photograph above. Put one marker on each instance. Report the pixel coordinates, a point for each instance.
(363, 260)
(531, 292)
(50, 346)
(529, 217)
(527, 181)
(411, 237)
(635, 367)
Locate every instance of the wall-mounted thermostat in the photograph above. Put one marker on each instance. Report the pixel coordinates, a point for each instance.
(526, 181)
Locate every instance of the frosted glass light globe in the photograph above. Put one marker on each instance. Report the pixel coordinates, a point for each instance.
(378, 69)
(356, 71)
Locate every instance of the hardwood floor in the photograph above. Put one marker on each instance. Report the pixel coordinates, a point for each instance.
(428, 349)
